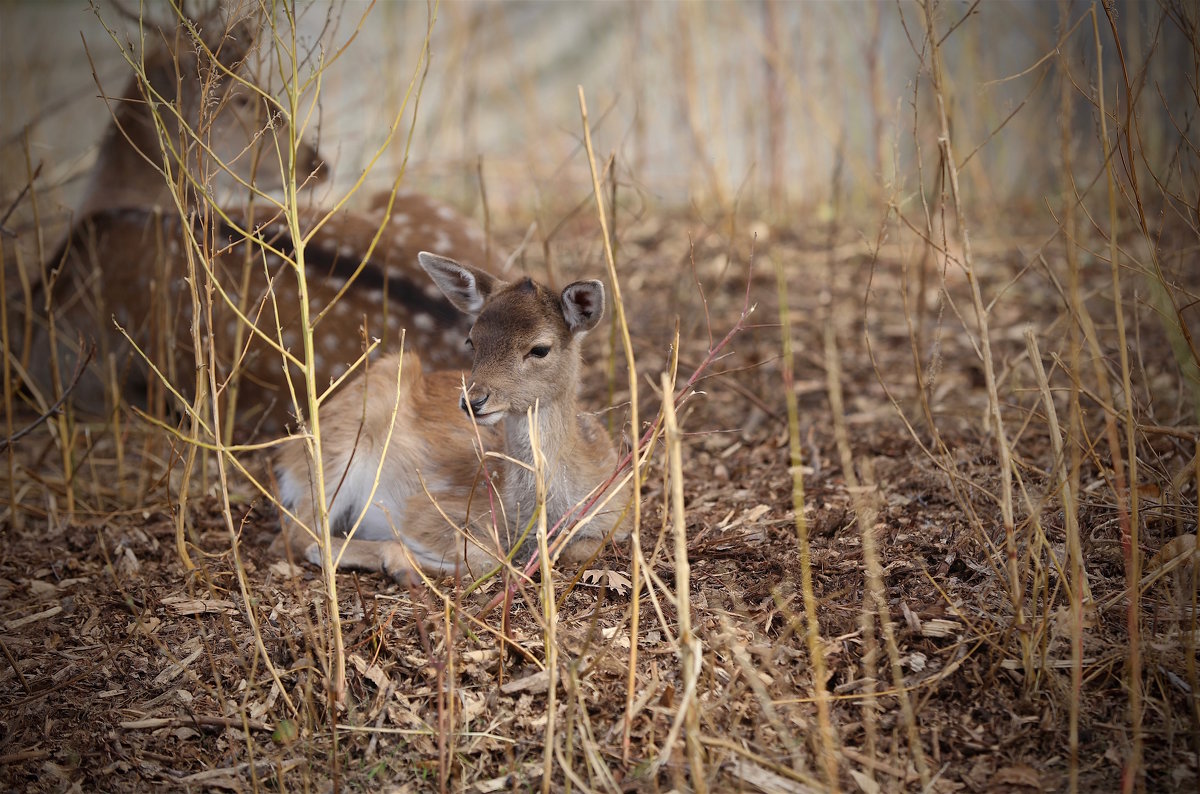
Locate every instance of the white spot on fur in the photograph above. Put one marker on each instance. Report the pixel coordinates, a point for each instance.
(442, 243)
(445, 213)
(423, 322)
(401, 219)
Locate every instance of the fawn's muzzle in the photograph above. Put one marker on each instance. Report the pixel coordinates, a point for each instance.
(476, 404)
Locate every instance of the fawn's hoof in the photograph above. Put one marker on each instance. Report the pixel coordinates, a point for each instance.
(400, 571)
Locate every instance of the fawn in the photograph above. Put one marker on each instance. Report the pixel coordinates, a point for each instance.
(125, 260)
(431, 485)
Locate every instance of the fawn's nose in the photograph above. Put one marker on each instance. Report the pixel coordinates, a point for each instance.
(475, 406)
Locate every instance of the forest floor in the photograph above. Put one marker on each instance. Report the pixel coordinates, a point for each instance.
(123, 672)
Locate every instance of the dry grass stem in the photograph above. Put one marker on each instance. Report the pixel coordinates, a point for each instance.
(925, 523)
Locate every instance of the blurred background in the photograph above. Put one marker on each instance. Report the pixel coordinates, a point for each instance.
(753, 104)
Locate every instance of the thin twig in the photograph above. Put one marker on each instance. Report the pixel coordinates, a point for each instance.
(87, 351)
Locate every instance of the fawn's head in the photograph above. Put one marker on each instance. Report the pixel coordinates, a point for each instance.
(526, 338)
(189, 86)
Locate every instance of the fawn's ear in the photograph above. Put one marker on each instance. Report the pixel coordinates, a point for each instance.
(466, 287)
(583, 305)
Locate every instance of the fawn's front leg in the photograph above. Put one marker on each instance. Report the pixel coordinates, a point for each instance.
(292, 541)
(432, 545)
(392, 557)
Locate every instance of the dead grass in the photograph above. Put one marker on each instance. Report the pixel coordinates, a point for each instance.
(942, 538)
(125, 674)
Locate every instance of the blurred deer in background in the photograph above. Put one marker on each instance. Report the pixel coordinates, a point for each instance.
(186, 132)
(418, 436)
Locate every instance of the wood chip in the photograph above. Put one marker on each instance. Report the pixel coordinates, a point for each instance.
(529, 773)
(1053, 664)
(172, 671)
(538, 682)
(865, 782)
(234, 778)
(765, 780)
(13, 625)
(940, 627)
(153, 723)
(182, 605)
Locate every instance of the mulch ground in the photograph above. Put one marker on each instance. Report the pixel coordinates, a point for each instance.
(124, 672)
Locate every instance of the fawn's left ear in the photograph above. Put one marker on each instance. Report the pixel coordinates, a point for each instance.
(583, 305)
(466, 287)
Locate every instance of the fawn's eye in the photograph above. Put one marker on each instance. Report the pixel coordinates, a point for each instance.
(540, 351)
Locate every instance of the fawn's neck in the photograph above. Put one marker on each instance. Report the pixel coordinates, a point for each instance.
(558, 440)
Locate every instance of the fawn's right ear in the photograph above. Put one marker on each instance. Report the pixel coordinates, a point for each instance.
(466, 287)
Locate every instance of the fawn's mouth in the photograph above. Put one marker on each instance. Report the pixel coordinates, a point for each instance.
(490, 418)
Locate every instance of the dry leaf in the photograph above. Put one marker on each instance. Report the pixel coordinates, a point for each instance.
(1175, 547)
(472, 704)
(126, 562)
(615, 635)
(1020, 775)
(617, 582)
(284, 569)
(372, 672)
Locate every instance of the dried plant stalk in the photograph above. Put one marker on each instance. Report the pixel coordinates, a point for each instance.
(827, 748)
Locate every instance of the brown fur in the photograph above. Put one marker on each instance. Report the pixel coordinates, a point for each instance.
(462, 525)
(124, 262)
